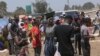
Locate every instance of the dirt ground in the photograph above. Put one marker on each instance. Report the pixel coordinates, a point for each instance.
(95, 48)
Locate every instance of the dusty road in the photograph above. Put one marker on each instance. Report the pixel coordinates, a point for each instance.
(95, 48)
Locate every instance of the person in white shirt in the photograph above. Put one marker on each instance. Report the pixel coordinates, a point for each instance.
(10, 40)
(97, 22)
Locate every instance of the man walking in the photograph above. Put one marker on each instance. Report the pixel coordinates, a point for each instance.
(64, 33)
(97, 22)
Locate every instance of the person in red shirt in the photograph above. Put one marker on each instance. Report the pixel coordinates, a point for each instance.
(26, 25)
(36, 38)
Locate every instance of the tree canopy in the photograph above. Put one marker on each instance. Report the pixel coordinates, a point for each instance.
(3, 8)
(49, 9)
(98, 6)
(88, 5)
(66, 7)
(76, 7)
(40, 7)
(19, 11)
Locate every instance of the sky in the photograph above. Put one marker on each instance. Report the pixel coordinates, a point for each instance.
(56, 5)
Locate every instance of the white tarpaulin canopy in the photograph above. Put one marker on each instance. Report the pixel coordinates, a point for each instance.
(3, 22)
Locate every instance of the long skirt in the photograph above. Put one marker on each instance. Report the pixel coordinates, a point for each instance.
(49, 48)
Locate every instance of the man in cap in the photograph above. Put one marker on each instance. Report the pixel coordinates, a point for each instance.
(64, 33)
(63, 17)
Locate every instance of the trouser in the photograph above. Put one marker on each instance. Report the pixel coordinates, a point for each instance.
(78, 43)
(97, 27)
(11, 46)
(37, 51)
(64, 54)
(49, 48)
(67, 50)
(86, 47)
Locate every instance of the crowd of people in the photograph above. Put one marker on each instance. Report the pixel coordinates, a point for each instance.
(19, 33)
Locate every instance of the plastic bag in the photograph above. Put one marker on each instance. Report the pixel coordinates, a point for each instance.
(57, 52)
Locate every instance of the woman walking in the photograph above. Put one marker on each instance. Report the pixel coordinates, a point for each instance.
(49, 40)
(36, 38)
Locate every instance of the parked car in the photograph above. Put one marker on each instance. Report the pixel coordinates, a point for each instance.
(73, 13)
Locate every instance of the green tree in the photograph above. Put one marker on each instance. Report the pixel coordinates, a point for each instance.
(3, 8)
(98, 6)
(76, 7)
(88, 6)
(73, 7)
(40, 6)
(19, 11)
(49, 9)
(66, 7)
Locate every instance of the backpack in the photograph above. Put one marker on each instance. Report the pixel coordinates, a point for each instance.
(15, 29)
